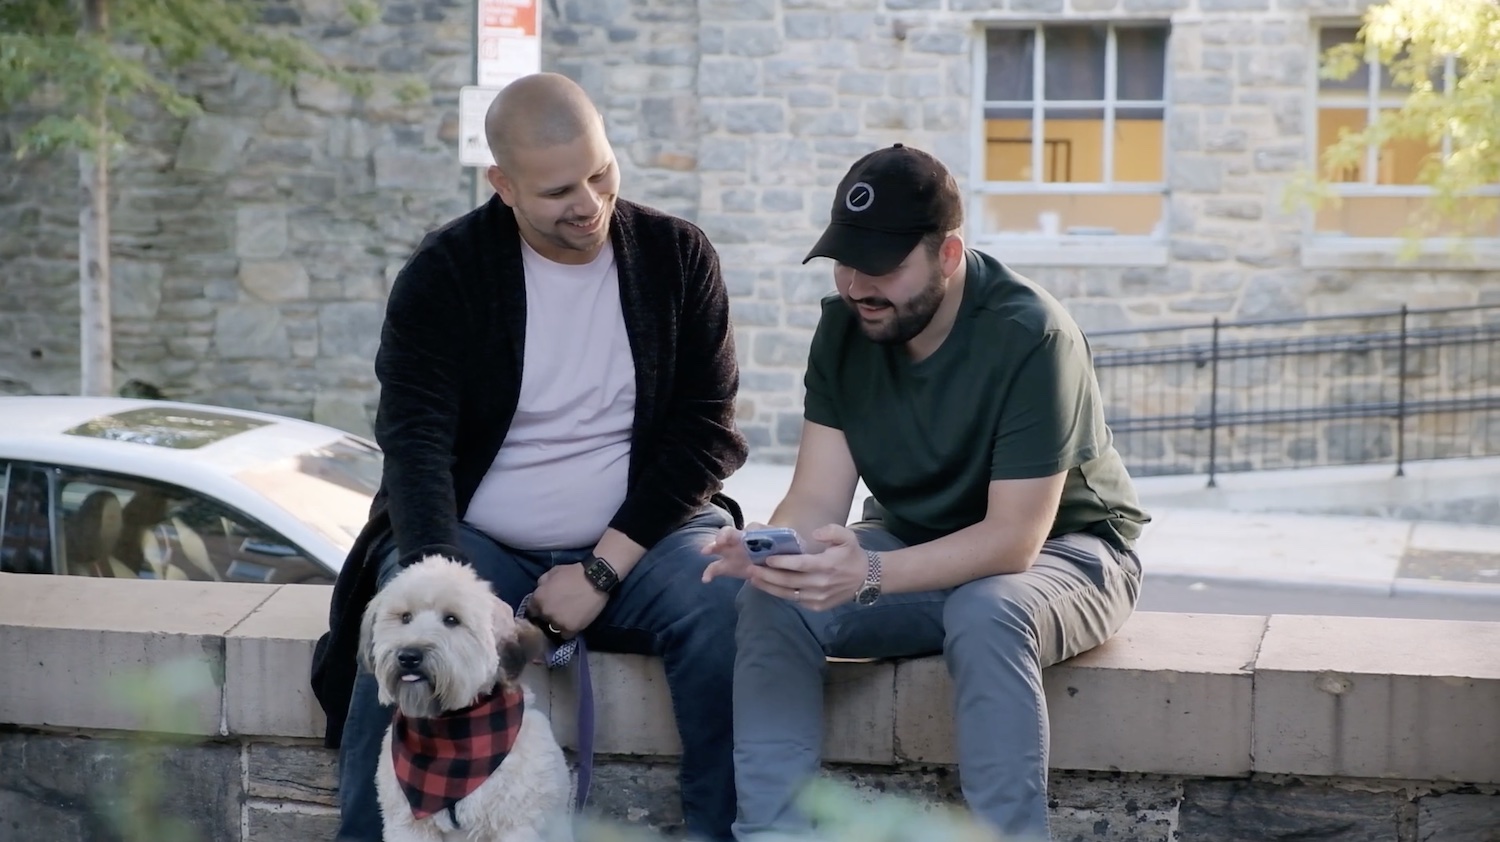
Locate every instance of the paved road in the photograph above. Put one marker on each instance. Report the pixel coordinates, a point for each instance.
(1184, 595)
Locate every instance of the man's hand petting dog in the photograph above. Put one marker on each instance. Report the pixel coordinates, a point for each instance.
(565, 603)
(817, 581)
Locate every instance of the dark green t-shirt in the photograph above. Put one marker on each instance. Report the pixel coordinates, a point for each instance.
(1010, 394)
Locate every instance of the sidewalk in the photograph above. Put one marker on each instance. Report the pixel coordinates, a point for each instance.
(1371, 555)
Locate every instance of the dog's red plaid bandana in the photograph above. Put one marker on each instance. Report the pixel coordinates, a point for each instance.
(441, 761)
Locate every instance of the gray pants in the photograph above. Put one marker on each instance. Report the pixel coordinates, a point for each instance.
(996, 634)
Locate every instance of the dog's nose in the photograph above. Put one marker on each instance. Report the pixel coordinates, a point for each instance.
(409, 659)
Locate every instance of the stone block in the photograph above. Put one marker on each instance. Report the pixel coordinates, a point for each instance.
(1213, 89)
(60, 788)
(268, 657)
(860, 699)
(275, 280)
(756, 118)
(730, 77)
(307, 774)
(753, 39)
(1280, 159)
(1198, 251)
(250, 331)
(782, 349)
(1195, 174)
(1234, 5)
(632, 707)
(79, 639)
(1113, 807)
(1458, 818)
(350, 328)
(211, 144)
(135, 289)
(1271, 295)
(1260, 810)
(638, 793)
(289, 823)
(1376, 698)
(807, 26)
(260, 231)
(416, 171)
(1248, 209)
(1186, 681)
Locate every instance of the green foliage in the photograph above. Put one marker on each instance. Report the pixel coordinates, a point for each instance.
(163, 700)
(1413, 39)
(49, 66)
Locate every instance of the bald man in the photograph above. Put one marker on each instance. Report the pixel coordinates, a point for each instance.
(558, 385)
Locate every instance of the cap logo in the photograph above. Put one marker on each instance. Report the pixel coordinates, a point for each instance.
(859, 197)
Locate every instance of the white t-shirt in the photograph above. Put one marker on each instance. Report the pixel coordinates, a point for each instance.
(563, 470)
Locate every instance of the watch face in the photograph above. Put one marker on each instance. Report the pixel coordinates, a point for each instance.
(867, 595)
(600, 575)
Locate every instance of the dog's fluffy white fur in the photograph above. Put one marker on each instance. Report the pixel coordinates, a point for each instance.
(470, 642)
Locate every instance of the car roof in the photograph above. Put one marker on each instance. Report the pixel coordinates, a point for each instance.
(109, 429)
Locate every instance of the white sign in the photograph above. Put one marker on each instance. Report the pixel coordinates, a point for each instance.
(509, 46)
(473, 148)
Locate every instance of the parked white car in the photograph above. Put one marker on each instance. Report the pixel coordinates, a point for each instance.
(162, 490)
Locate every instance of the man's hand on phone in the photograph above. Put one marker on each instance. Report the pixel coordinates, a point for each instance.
(819, 581)
(734, 559)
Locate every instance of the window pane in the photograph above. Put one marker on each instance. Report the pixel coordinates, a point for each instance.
(1074, 145)
(1095, 215)
(1334, 123)
(1074, 65)
(1359, 80)
(123, 527)
(26, 542)
(1142, 55)
(1009, 61)
(1138, 145)
(1400, 161)
(1394, 216)
(1007, 146)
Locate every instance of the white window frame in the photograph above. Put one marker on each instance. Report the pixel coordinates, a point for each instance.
(1067, 249)
(1323, 251)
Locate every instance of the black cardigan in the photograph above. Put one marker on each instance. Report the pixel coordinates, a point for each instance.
(449, 367)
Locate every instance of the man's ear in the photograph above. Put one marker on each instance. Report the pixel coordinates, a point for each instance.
(529, 645)
(501, 184)
(951, 255)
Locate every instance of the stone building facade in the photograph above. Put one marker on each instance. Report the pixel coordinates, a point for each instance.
(255, 244)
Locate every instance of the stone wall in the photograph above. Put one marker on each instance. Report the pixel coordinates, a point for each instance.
(1182, 728)
(255, 244)
(63, 788)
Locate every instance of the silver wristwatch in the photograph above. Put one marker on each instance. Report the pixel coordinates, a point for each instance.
(869, 592)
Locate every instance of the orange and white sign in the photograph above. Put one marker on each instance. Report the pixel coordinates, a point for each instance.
(509, 43)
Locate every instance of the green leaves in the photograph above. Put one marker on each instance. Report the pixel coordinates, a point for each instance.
(48, 66)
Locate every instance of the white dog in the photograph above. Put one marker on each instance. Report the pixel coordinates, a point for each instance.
(448, 653)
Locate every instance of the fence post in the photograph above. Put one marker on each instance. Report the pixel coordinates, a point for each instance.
(1213, 404)
(1401, 399)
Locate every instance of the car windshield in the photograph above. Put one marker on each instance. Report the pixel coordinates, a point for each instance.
(329, 487)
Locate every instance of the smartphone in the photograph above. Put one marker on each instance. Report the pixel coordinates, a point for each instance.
(776, 540)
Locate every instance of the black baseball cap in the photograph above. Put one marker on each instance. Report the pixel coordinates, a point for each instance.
(887, 202)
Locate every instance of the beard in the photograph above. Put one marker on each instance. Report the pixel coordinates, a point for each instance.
(561, 236)
(901, 322)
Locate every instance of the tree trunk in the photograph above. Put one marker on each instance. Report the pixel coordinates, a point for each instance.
(96, 332)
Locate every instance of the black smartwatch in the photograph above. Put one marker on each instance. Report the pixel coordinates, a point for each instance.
(602, 576)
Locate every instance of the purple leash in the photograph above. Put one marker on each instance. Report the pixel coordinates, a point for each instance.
(566, 652)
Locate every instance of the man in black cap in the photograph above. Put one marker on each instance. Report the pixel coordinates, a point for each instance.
(1001, 527)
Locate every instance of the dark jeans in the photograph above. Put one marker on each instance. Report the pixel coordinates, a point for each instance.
(662, 608)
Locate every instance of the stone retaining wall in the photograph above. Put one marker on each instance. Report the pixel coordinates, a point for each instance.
(1184, 727)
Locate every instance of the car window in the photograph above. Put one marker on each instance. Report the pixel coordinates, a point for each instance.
(329, 487)
(129, 528)
(27, 530)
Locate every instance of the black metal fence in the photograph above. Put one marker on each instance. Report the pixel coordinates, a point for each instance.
(1393, 386)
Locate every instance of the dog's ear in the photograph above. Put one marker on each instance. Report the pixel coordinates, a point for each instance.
(530, 645)
(367, 635)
